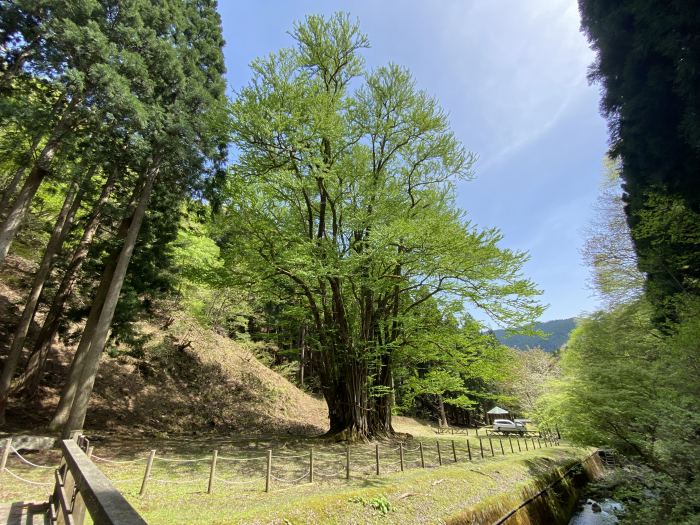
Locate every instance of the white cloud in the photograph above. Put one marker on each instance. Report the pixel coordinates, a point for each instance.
(520, 63)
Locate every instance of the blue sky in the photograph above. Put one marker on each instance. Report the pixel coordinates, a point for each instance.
(512, 75)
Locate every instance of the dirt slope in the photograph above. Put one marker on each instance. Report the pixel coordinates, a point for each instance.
(190, 380)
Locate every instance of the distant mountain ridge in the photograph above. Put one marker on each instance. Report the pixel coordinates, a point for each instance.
(557, 331)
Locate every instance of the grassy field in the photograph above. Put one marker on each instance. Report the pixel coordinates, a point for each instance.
(176, 491)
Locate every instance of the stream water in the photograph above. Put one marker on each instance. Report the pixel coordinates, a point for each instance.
(606, 516)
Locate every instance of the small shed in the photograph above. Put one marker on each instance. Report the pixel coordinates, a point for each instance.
(496, 413)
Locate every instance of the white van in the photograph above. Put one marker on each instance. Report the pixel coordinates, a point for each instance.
(506, 425)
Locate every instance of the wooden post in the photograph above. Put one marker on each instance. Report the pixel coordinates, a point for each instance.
(539, 442)
(311, 465)
(477, 431)
(439, 454)
(469, 450)
(376, 455)
(78, 507)
(401, 455)
(6, 453)
(510, 442)
(212, 472)
(147, 473)
(69, 493)
(526, 447)
(454, 451)
(347, 461)
(268, 475)
(491, 445)
(481, 447)
(533, 443)
(519, 449)
(422, 460)
(503, 452)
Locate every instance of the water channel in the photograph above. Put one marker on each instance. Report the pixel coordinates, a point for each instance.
(601, 512)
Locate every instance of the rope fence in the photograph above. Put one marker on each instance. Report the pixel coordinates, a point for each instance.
(279, 468)
(28, 481)
(26, 461)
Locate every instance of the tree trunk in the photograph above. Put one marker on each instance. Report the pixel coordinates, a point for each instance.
(441, 412)
(19, 209)
(16, 62)
(63, 223)
(11, 188)
(348, 404)
(302, 354)
(383, 403)
(91, 362)
(31, 379)
(76, 367)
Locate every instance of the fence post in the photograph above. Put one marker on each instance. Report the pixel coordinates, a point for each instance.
(519, 449)
(147, 473)
(526, 447)
(401, 455)
(477, 431)
(439, 454)
(347, 461)
(533, 443)
(422, 460)
(481, 447)
(89, 451)
(491, 445)
(6, 453)
(454, 451)
(503, 452)
(268, 475)
(469, 450)
(376, 455)
(311, 465)
(510, 442)
(539, 442)
(212, 472)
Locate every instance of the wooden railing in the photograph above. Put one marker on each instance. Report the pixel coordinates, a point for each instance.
(81, 488)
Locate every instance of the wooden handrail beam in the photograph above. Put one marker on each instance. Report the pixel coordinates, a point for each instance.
(104, 502)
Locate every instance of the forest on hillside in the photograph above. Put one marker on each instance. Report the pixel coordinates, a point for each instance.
(552, 335)
(313, 213)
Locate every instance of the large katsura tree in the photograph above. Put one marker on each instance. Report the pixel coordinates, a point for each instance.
(344, 187)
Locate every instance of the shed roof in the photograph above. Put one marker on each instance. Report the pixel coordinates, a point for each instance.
(497, 410)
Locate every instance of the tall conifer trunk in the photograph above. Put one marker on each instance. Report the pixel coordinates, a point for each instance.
(76, 367)
(11, 187)
(31, 379)
(19, 209)
(91, 362)
(63, 224)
